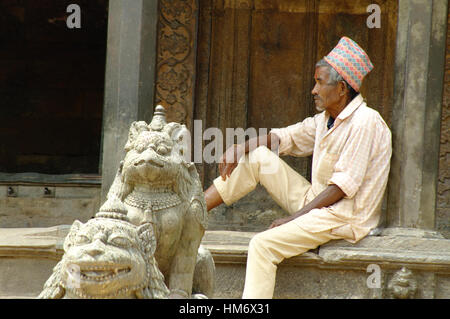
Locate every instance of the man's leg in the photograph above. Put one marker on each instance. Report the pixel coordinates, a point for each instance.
(288, 188)
(267, 249)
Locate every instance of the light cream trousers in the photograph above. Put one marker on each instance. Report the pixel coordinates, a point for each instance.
(268, 248)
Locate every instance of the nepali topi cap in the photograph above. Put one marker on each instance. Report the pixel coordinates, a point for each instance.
(350, 61)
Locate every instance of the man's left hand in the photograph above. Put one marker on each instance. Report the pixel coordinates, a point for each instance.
(280, 221)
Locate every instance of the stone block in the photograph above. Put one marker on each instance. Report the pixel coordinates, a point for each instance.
(340, 269)
(27, 258)
(337, 269)
(32, 207)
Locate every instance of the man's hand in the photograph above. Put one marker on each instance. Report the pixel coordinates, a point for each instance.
(280, 221)
(230, 159)
(329, 196)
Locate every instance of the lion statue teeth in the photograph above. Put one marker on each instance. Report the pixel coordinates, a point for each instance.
(155, 185)
(107, 257)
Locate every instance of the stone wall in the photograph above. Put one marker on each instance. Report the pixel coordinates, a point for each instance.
(30, 207)
(443, 200)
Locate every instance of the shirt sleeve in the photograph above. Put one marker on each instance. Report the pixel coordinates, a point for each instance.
(351, 167)
(297, 139)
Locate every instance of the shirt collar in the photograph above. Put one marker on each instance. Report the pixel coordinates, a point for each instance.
(351, 107)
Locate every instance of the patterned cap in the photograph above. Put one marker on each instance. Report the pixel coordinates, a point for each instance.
(350, 61)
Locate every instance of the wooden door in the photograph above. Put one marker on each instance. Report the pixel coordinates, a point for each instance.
(255, 61)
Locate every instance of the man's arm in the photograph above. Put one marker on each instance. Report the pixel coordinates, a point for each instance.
(329, 196)
(232, 155)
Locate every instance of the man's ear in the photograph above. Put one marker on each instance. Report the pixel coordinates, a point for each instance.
(343, 90)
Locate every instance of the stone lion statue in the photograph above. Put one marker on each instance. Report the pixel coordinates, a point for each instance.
(145, 240)
(107, 257)
(159, 185)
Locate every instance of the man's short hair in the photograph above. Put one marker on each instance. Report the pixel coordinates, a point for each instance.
(335, 77)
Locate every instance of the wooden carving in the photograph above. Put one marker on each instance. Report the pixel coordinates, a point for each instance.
(176, 59)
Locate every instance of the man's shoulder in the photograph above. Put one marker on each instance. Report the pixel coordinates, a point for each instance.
(366, 115)
(365, 111)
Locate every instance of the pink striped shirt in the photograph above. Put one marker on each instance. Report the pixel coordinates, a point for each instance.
(354, 155)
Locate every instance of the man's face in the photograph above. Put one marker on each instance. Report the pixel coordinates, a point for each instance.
(325, 95)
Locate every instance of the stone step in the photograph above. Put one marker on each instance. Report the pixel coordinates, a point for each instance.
(336, 270)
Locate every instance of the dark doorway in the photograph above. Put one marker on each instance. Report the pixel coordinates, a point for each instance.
(51, 86)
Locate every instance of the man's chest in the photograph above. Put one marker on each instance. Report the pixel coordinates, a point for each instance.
(333, 140)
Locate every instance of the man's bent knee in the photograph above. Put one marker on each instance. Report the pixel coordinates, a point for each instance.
(260, 150)
(268, 161)
(256, 243)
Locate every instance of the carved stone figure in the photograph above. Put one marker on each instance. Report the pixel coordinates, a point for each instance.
(145, 241)
(403, 285)
(107, 257)
(159, 186)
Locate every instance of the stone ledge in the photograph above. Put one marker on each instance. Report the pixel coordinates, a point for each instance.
(33, 242)
(231, 246)
(433, 253)
(338, 270)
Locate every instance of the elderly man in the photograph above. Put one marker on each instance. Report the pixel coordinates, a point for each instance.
(351, 147)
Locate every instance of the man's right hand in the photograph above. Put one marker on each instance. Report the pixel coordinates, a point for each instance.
(230, 159)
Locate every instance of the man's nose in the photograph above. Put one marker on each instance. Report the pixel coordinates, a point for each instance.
(314, 90)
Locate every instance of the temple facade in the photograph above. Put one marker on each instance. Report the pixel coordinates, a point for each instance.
(70, 95)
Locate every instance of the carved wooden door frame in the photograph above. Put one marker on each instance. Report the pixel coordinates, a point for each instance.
(176, 58)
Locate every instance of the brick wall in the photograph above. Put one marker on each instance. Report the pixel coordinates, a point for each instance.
(443, 201)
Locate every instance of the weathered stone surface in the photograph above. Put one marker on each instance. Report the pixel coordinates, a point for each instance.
(129, 79)
(108, 257)
(339, 270)
(147, 234)
(27, 257)
(419, 66)
(432, 253)
(158, 184)
(443, 197)
(30, 208)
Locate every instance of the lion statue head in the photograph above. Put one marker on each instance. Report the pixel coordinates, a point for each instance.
(107, 257)
(157, 162)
